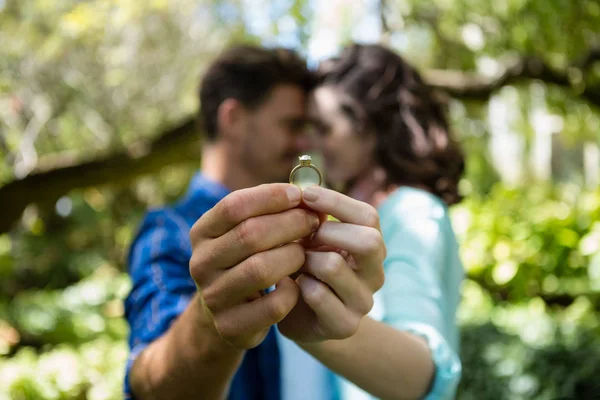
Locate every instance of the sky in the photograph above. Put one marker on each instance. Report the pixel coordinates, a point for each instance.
(326, 30)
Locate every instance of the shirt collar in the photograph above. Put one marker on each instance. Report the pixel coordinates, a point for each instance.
(210, 189)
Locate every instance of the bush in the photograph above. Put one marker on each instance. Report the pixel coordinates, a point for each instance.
(528, 351)
(529, 322)
(528, 316)
(539, 241)
(92, 371)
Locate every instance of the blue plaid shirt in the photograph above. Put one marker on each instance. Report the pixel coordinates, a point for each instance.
(162, 288)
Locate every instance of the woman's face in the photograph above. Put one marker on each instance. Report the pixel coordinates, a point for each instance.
(346, 152)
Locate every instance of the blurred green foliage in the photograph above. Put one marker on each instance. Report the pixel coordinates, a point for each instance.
(518, 342)
(529, 312)
(539, 241)
(84, 79)
(92, 371)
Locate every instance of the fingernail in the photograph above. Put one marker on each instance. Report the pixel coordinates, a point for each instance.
(294, 193)
(307, 284)
(314, 221)
(310, 194)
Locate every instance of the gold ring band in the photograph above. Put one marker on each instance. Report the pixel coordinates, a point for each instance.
(305, 162)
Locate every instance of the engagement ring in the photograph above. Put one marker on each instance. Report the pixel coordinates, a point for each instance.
(305, 162)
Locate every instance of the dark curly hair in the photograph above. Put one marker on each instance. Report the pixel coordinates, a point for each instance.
(387, 96)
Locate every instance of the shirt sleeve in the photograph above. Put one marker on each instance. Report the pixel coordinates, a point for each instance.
(161, 284)
(413, 295)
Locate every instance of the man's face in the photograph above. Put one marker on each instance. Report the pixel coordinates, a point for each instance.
(276, 135)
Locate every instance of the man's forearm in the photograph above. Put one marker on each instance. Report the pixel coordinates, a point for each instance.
(189, 361)
(385, 362)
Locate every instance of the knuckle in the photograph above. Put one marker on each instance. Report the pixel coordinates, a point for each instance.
(198, 232)
(210, 298)
(257, 271)
(195, 232)
(333, 266)
(248, 232)
(197, 266)
(334, 201)
(352, 323)
(300, 220)
(275, 310)
(316, 296)
(371, 216)
(275, 191)
(367, 305)
(348, 327)
(373, 242)
(379, 279)
(231, 207)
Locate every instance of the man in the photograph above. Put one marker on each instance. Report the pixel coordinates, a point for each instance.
(201, 311)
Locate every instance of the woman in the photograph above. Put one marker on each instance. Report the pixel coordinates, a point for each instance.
(385, 141)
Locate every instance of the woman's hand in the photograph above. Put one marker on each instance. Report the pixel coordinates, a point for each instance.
(342, 271)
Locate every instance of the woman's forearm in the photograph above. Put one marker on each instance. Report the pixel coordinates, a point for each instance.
(386, 362)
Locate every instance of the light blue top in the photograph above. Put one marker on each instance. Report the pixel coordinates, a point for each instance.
(423, 275)
(421, 295)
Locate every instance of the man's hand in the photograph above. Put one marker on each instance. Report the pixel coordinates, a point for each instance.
(343, 268)
(244, 245)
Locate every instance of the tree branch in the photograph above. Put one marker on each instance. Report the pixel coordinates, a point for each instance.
(174, 146)
(589, 59)
(476, 87)
(502, 294)
(181, 143)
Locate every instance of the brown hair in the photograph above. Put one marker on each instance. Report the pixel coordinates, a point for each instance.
(388, 97)
(248, 73)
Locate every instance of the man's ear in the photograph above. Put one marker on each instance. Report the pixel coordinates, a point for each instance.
(230, 117)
